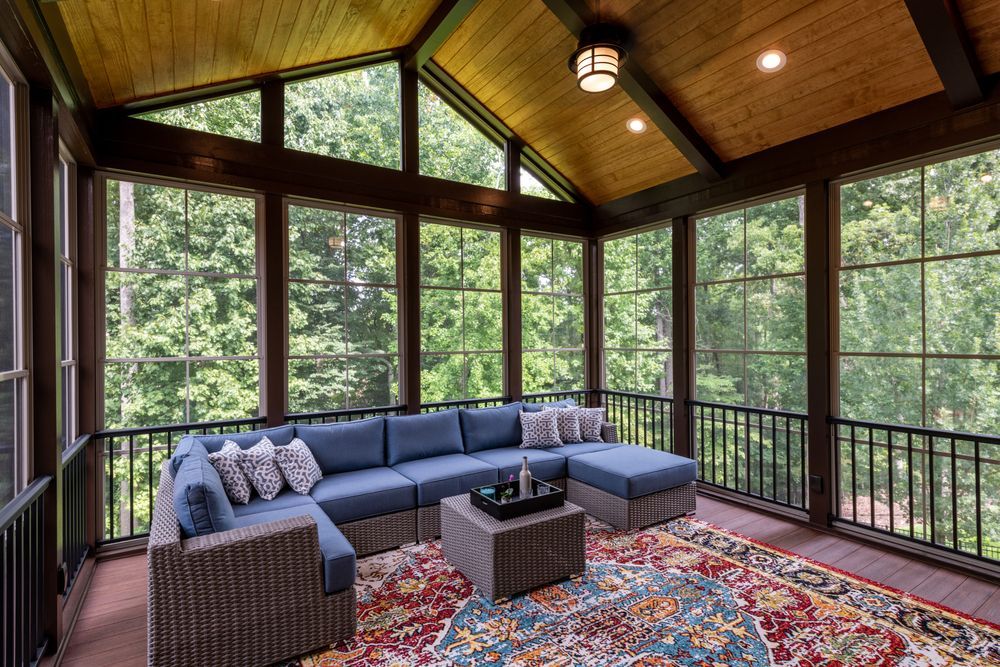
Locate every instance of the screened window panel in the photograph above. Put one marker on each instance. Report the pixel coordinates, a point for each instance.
(236, 116)
(11, 411)
(7, 175)
(452, 148)
(533, 187)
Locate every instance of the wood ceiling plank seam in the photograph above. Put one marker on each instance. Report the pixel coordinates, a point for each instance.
(334, 28)
(610, 143)
(490, 39)
(308, 51)
(304, 13)
(716, 13)
(266, 26)
(619, 156)
(161, 42)
(183, 23)
(226, 41)
(135, 32)
(282, 29)
(249, 25)
(557, 76)
(85, 48)
(112, 50)
(834, 93)
(702, 103)
(405, 31)
(638, 176)
(466, 30)
(603, 123)
(341, 39)
(390, 18)
(569, 101)
(351, 38)
(206, 28)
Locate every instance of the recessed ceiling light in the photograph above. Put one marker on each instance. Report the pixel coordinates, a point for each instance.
(986, 178)
(868, 203)
(636, 125)
(771, 60)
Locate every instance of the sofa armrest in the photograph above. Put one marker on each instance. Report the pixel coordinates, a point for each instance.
(609, 432)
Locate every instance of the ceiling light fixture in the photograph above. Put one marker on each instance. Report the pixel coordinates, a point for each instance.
(600, 54)
(636, 125)
(771, 60)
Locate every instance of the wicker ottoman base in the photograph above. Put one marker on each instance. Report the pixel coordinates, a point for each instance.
(380, 533)
(629, 514)
(513, 556)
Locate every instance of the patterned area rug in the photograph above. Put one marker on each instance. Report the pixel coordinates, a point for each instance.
(684, 593)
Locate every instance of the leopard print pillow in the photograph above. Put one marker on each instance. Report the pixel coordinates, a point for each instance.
(539, 430)
(568, 421)
(226, 462)
(298, 465)
(261, 468)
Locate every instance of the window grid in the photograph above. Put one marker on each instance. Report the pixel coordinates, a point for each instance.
(67, 259)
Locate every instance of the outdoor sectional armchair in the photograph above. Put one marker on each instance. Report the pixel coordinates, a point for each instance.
(273, 579)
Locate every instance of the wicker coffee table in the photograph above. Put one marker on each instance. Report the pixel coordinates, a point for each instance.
(513, 556)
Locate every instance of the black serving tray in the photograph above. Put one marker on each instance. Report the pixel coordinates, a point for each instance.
(549, 499)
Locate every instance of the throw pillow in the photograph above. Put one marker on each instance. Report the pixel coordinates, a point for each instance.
(539, 430)
(298, 465)
(590, 424)
(262, 470)
(568, 421)
(227, 463)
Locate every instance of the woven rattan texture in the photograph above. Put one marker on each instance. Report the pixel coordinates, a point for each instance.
(629, 514)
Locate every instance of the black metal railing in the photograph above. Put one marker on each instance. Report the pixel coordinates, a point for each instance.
(131, 460)
(755, 452)
(74, 509)
(927, 485)
(642, 419)
(579, 396)
(464, 403)
(22, 640)
(335, 416)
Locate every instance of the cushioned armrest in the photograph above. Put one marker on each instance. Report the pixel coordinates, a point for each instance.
(609, 432)
(294, 529)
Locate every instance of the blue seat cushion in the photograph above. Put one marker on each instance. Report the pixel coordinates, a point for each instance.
(339, 560)
(537, 407)
(543, 463)
(285, 499)
(490, 428)
(188, 446)
(631, 471)
(279, 435)
(422, 436)
(577, 448)
(347, 445)
(442, 476)
(359, 494)
(200, 500)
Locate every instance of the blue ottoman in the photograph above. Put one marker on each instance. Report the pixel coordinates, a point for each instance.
(631, 487)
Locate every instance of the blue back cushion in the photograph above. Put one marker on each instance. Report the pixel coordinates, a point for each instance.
(200, 501)
(279, 435)
(489, 428)
(346, 446)
(537, 407)
(188, 446)
(422, 436)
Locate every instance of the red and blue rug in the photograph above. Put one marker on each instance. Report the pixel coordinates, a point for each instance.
(683, 593)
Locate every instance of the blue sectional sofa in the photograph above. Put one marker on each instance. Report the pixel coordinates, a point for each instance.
(383, 480)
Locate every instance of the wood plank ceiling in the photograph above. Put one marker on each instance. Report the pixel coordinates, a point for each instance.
(137, 49)
(846, 59)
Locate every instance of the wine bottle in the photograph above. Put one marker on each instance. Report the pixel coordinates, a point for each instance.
(525, 481)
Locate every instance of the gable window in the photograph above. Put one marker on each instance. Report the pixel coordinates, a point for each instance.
(351, 115)
(533, 187)
(236, 116)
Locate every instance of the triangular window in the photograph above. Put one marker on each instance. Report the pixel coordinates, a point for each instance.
(453, 148)
(235, 116)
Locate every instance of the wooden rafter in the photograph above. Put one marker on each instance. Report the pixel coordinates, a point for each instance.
(940, 26)
(575, 15)
(438, 28)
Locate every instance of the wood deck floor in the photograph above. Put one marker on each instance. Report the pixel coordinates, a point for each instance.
(111, 628)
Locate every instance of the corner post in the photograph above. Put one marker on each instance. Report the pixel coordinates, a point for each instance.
(593, 343)
(273, 268)
(410, 118)
(409, 272)
(682, 333)
(512, 315)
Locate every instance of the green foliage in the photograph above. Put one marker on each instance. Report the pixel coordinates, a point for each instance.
(235, 116)
(534, 187)
(452, 148)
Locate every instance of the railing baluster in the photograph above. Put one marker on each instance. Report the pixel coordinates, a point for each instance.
(871, 475)
(954, 496)
(891, 464)
(854, 476)
(930, 480)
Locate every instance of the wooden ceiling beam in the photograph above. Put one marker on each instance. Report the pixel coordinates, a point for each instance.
(448, 15)
(575, 15)
(940, 26)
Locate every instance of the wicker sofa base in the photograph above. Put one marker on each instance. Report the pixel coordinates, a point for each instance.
(429, 517)
(629, 514)
(380, 533)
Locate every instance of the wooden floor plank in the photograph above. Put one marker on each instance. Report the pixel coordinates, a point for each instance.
(969, 595)
(990, 610)
(939, 585)
(909, 576)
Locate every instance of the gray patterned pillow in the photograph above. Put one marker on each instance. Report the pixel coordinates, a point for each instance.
(262, 470)
(568, 421)
(539, 430)
(590, 423)
(298, 465)
(227, 463)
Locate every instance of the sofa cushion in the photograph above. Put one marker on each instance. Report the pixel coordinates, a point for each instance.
(347, 445)
(578, 448)
(442, 476)
(360, 494)
(630, 471)
(285, 499)
(543, 463)
(537, 407)
(489, 428)
(200, 500)
(339, 561)
(188, 446)
(279, 435)
(422, 436)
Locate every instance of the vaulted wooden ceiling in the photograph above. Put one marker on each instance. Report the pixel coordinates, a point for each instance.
(846, 59)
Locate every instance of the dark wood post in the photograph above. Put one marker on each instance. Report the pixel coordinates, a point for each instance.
(44, 352)
(273, 269)
(410, 119)
(90, 388)
(409, 344)
(818, 350)
(683, 333)
(593, 344)
(512, 314)
(512, 166)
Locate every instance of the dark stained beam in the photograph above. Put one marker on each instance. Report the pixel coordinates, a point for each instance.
(448, 15)
(940, 26)
(682, 279)
(408, 249)
(575, 15)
